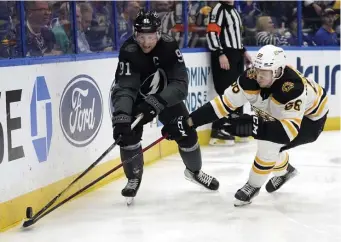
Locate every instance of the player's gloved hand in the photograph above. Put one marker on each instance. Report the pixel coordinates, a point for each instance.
(244, 125)
(121, 123)
(176, 129)
(150, 108)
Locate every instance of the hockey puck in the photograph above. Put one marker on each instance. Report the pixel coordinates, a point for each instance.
(29, 212)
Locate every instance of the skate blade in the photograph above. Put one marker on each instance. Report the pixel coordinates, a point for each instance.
(238, 203)
(129, 201)
(219, 142)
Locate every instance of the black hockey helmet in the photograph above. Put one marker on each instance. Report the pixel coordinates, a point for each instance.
(147, 22)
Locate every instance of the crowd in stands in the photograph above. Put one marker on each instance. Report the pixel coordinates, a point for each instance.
(49, 26)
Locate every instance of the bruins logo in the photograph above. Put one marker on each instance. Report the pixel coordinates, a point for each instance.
(251, 74)
(287, 86)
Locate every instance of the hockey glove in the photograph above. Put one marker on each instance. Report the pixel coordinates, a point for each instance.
(150, 108)
(244, 125)
(176, 129)
(121, 123)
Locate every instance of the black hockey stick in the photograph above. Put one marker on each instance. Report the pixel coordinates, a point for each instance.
(49, 204)
(37, 218)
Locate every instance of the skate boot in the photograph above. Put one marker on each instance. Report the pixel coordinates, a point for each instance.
(245, 195)
(221, 137)
(277, 181)
(202, 179)
(130, 190)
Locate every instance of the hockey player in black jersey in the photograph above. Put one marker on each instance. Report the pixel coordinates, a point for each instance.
(290, 109)
(151, 79)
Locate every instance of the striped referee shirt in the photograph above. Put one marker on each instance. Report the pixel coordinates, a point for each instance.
(224, 28)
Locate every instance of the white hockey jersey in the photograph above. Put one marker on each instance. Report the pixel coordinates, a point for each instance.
(288, 100)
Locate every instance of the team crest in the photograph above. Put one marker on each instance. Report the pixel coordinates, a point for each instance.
(251, 74)
(287, 86)
(154, 83)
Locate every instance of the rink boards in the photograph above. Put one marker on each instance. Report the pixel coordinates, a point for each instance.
(56, 121)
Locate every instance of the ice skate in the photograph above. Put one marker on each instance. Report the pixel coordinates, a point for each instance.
(131, 189)
(203, 179)
(245, 195)
(221, 137)
(277, 181)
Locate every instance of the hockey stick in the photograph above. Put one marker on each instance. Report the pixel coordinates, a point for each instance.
(37, 218)
(49, 204)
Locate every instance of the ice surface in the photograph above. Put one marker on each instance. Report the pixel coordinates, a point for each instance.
(169, 208)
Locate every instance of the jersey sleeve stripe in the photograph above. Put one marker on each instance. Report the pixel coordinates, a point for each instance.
(275, 101)
(228, 103)
(316, 102)
(296, 121)
(218, 107)
(252, 92)
(289, 128)
(320, 108)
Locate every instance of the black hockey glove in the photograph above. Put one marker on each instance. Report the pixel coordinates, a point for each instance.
(176, 129)
(150, 108)
(244, 125)
(121, 123)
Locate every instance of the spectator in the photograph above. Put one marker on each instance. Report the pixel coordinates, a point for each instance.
(277, 10)
(61, 28)
(250, 11)
(197, 22)
(326, 34)
(161, 7)
(83, 10)
(126, 19)
(86, 11)
(312, 11)
(100, 35)
(9, 38)
(40, 40)
(291, 35)
(267, 34)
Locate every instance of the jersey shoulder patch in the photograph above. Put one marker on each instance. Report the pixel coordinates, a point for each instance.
(129, 51)
(131, 48)
(247, 81)
(289, 87)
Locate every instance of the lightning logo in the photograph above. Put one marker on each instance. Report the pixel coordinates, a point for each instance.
(155, 83)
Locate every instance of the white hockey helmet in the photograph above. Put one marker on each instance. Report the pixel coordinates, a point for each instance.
(271, 57)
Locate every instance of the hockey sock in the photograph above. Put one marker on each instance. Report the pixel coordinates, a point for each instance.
(191, 157)
(260, 171)
(133, 169)
(281, 166)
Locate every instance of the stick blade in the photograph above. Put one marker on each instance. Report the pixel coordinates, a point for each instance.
(28, 223)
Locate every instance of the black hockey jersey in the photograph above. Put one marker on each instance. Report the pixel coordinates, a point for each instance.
(138, 75)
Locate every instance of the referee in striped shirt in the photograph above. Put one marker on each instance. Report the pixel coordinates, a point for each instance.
(224, 37)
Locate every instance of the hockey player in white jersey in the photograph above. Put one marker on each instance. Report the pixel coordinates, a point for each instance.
(290, 111)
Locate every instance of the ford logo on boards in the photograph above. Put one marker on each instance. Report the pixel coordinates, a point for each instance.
(80, 110)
